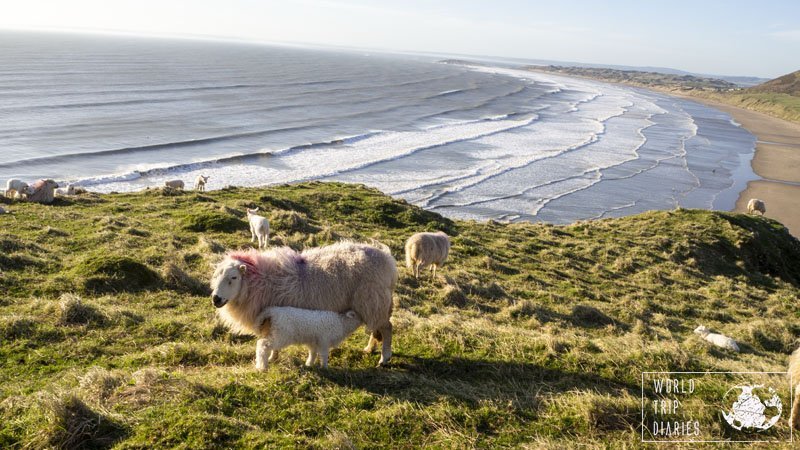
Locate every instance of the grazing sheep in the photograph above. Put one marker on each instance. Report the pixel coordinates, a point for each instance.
(16, 187)
(259, 228)
(43, 191)
(320, 331)
(720, 340)
(339, 277)
(69, 190)
(200, 183)
(794, 377)
(174, 184)
(756, 205)
(427, 249)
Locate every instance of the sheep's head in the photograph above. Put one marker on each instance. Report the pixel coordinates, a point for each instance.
(227, 281)
(251, 212)
(701, 330)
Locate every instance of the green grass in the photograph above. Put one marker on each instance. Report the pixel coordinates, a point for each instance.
(780, 105)
(532, 335)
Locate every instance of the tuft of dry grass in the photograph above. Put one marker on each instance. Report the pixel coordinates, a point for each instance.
(74, 311)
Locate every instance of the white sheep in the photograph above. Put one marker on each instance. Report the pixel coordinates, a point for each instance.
(200, 183)
(794, 377)
(427, 249)
(15, 187)
(319, 330)
(259, 228)
(720, 340)
(174, 184)
(756, 205)
(43, 191)
(69, 190)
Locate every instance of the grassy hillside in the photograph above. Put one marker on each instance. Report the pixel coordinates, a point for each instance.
(788, 84)
(641, 78)
(532, 335)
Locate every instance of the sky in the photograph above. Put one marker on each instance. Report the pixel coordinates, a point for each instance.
(733, 37)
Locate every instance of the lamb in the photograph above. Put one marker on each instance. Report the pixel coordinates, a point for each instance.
(720, 340)
(174, 184)
(200, 183)
(16, 187)
(427, 249)
(43, 191)
(259, 228)
(339, 277)
(756, 205)
(320, 331)
(69, 190)
(794, 378)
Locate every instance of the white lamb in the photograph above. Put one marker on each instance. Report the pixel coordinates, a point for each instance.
(756, 205)
(259, 228)
(174, 184)
(15, 187)
(318, 330)
(69, 190)
(427, 249)
(720, 340)
(200, 183)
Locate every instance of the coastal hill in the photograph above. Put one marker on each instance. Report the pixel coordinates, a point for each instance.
(646, 79)
(531, 334)
(788, 84)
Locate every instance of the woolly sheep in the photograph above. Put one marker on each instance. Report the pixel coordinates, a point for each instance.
(16, 187)
(43, 191)
(200, 183)
(427, 249)
(756, 205)
(794, 377)
(720, 340)
(174, 184)
(259, 228)
(320, 331)
(339, 277)
(69, 190)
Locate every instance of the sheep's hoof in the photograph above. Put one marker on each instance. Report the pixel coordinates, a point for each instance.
(261, 367)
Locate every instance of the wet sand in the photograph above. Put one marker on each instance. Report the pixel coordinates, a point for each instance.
(776, 161)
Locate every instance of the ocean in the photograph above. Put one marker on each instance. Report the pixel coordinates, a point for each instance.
(472, 142)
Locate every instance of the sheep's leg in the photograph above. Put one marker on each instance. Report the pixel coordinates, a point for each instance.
(433, 268)
(273, 356)
(796, 412)
(371, 344)
(263, 348)
(323, 356)
(252, 233)
(386, 350)
(312, 356)
(416, 270)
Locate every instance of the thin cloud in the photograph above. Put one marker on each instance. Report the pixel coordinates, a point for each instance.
(787, 35)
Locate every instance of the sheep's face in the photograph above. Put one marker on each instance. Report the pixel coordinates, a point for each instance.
(227, 282)
(251, 212)
(701, 330)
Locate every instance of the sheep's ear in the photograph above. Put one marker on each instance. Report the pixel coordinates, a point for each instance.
(243, 268)
(256, 210)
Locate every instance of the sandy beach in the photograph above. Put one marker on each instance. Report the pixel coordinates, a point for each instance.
(776, 161)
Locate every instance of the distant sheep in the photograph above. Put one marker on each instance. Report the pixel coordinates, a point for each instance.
(282, 326)
(200, 183)
(339, 277)
(794, 377)
(756, 205)
(69, 190)
(174, 184)
(720, 340)
(43, 191)
(427, 249)
(15, 187)
(259, 228)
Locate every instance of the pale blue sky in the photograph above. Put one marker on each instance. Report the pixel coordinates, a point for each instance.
(719, 37)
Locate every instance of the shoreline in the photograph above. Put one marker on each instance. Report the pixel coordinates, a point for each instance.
(776, 161)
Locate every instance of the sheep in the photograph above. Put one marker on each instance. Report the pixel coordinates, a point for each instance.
(43, 191)
(320, 331)
(200, 183)
(720, 340)
(756, 205)
(259, 228)
(174, 184)
(423, 249)
(16, 187)
(69, 190)
(339, 277)
(794, 378)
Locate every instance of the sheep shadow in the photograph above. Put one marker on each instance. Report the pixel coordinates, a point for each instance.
(427, 380)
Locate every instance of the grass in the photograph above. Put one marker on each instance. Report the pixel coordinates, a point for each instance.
(532, 335)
